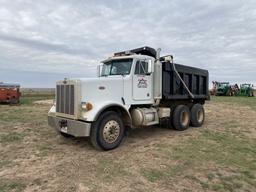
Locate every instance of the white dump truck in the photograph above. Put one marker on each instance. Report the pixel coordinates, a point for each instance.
(134, 88)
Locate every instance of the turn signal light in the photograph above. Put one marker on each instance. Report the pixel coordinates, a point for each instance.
(86, 106)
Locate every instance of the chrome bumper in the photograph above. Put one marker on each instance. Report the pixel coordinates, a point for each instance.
(69, 126)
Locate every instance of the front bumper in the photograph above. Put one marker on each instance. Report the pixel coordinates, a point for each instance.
(69, 126)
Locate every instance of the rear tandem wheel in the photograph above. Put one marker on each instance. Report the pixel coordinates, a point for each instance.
(181, 117)
(197, 115)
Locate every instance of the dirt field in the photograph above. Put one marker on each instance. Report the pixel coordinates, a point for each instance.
(220, 156)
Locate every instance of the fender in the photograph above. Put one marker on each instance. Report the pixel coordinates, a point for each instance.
(98, 108)
(116, 107)
(111, 106)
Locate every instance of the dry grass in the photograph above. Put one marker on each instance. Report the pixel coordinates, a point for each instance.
(220, 156)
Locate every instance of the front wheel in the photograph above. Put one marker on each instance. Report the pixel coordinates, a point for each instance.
(108, 131)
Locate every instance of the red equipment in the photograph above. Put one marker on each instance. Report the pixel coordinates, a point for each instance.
(9, 93)
(213, 91)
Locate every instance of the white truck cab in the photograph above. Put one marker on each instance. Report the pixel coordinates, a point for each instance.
(127, 93)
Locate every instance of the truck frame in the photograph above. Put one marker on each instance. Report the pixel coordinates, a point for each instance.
(134, 88)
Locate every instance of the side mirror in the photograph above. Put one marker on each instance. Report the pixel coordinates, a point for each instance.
(99, 70)
(150, 67)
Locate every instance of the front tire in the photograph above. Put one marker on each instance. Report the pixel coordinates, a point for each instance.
(181, 118)
(197, 115)
(108, 131)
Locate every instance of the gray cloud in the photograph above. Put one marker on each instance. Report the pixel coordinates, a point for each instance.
(41, 45)
(65, 37)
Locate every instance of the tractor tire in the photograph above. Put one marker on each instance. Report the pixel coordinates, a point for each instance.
(181, 118)
(108, 131)
(197, 115)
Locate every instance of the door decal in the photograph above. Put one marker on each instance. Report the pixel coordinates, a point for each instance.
(142, 83)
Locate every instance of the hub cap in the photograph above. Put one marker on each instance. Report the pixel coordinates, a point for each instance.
(111, 131)
(184, 118)
(200, 116)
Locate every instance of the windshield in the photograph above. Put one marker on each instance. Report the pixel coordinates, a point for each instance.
(117, 67)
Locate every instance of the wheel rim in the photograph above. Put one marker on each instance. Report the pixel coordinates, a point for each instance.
(184, 118)
(200, 116)
(111, 131)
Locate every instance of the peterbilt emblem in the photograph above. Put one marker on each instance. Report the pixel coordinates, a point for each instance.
(142, 83)
(101, 87)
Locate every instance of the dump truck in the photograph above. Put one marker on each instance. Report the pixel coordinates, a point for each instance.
(134, 88)
(246, 89)
(9, 93)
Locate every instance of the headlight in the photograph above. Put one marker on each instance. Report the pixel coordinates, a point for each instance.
(86, 106)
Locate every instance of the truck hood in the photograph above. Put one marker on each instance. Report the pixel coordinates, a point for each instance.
(101, 89)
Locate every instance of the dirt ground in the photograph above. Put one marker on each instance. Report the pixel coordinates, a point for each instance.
(220, 156)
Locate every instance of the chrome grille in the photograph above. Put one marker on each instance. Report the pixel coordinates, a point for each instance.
(65, 99)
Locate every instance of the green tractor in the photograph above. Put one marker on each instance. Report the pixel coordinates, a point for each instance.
(223, 89)
(246, 89)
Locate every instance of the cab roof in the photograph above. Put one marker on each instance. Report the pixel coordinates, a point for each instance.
(149, 51)
(126, 57)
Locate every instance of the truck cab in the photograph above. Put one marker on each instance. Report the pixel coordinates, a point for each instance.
(126, 93)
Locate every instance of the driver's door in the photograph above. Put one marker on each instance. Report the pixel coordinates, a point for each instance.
(142, 81)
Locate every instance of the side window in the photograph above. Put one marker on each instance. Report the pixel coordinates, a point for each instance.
(141, 68)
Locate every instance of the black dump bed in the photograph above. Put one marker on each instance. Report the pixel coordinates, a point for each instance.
(197, 81)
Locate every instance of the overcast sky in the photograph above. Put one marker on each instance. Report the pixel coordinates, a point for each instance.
(43, 41)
